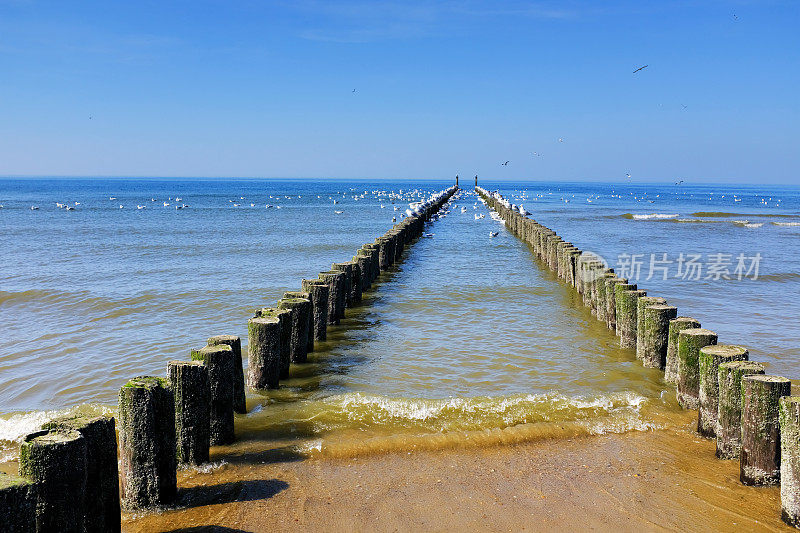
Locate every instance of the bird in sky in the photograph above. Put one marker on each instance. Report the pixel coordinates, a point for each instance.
(537, 154)
(90, 117)
(628, 175)
(684, 106)
(560, 139)
(640, 68)
(678, 182)
(735, 17)
(505, 164)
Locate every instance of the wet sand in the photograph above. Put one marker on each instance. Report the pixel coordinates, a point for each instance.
(657, 480)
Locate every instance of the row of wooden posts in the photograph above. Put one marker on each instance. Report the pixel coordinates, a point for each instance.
(70, 478)
(752, 416)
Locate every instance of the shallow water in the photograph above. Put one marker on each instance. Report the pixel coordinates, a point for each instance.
(467, 340)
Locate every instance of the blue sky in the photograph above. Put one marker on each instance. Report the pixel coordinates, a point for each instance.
(247, 88)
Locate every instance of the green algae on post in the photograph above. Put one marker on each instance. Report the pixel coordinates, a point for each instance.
(189, 382)
(789, 419)
(318, 292)
(729, 409)
(654, 333)
(235, 343)
(336, 294)
(101, 499)
(709, 360)
(148, 464)
(760, 458)
(17, 504)
(55, 461)
(300, 325)
(264, 352)
(676, 325)
(284, 317)
(219, 361)
(690, 341)
(626, 316)
(641, 303)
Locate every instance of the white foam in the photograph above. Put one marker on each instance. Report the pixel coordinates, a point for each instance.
(652, 216)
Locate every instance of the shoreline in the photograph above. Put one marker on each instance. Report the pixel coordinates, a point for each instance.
(666, 479)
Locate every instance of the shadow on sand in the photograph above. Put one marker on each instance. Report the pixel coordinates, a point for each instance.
(234, 491)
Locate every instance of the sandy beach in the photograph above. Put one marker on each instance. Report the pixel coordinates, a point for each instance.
(662, 480)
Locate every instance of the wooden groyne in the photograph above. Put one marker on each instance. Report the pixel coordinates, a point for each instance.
(69, 477)
(752, 416)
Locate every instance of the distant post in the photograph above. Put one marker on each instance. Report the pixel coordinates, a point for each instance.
(456, 180)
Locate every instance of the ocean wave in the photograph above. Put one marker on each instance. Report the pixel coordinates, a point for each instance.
(724, 214)
(651, 216)
(14, 427)
(368, 411)
(785, 223)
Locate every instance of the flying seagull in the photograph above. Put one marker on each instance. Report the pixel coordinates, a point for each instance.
(640, 68)
(505, 164)
(678, 182)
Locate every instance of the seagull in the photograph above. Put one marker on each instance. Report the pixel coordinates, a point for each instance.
(493, 234)
(537, 154)
(678, 182)
(560, 139)
(640, 68)
(684, 106)
(628, 176)
(735, 17)
(505, 164)
(338, 212)
(354, 90)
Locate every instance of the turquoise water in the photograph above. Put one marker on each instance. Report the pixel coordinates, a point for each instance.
(467, 335)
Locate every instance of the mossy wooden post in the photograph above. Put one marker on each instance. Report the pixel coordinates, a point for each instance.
(641, 303)
(760, 458)
(611, 302)
(789, 418)
(618, 289)
(364, 261)
(239, 405)
(189, 382)
(318, 291)
(101, 499)
(347, 270)
(654, 334)
(300, 323)
(601, 286)
(55, 460)
(219, 362)
(709, 360)
(729, 409)
(676, 325)
(689, 343)
(284, 317)
(626, 316)
(288, 295)
(336, 294)
(17, 504)
(572, 267)
(148, 464)
(263, 352)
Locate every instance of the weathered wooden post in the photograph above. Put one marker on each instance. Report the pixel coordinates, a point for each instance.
(300, 324)
(148, 464)
(676, 325)
(318, 291)
(709, 360)
(219, 362)
(626, 316)
(611, 302)
(304, 295)
(189, 383)
(729, 410)
(55, 460)
(263, 352)
(336, 294)
(239, 404)
(760, 458)
(364, 260)
(284, 317)
(101, 499)
(619, 288)
(641, 303)
(17, 504)
(653, 334)
(789, 418)
(347, 270)
(689, 343)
